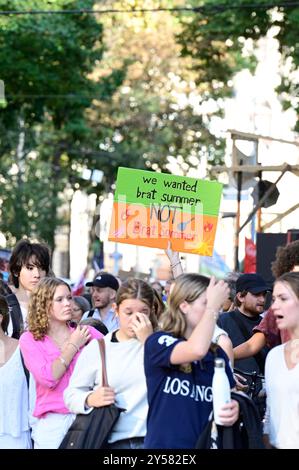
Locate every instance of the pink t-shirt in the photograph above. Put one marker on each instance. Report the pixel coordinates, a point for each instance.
(38, 357)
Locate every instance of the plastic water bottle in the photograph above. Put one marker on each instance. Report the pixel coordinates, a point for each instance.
(220, 388)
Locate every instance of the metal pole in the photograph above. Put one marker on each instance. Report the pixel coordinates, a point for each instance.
(239, 189)
(259, 212)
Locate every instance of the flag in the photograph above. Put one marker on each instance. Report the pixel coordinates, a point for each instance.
(250, 256)
(98, 255)
(78, 287)
(213, 266)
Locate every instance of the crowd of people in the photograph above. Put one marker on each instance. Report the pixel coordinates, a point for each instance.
(160, 349)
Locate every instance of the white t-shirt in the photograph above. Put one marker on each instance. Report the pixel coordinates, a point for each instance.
(282, 388)
(217, 333)
(14, 405)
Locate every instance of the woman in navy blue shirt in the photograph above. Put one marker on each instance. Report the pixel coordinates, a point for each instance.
(179, 366)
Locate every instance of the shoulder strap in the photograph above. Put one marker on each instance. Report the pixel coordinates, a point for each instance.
(15, 314)
(26, 371)
(90, 313)
(103, 357)
(258, 357)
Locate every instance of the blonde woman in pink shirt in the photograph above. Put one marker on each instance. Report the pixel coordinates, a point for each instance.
(50, 349)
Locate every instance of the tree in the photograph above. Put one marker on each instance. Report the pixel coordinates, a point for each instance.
(46, 65)
(214, 38)
(155, 116)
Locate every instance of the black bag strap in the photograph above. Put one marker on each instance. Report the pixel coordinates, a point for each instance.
(27, 375)
(258, 357)
(26, 371)
(15, 315)
(90, 313)
(103, 357)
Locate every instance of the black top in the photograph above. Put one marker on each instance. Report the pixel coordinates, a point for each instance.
(227, 323)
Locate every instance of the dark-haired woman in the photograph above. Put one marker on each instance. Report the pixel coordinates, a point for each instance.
(14, 401)
(28, 264)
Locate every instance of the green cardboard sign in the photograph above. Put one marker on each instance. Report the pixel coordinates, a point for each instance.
(147, 188)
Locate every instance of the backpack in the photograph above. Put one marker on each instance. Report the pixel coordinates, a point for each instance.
(15, 315)
(246, 433)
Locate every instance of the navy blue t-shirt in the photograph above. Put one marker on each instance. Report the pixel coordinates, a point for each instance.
(180, 401)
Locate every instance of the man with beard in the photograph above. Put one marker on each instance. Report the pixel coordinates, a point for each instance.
(103, 293)
(250, 298)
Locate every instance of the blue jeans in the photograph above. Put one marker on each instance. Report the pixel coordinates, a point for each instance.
(132, 443)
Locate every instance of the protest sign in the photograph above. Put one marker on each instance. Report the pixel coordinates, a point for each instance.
(151, 208)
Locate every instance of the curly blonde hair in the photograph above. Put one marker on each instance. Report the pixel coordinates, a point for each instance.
(39, 305)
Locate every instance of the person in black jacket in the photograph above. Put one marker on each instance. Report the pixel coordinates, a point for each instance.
(250, 298)
(251, 291)
(246, 433)
(28, 264)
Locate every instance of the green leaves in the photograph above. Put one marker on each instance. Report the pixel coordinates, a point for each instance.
(46, 65)
(215, 38)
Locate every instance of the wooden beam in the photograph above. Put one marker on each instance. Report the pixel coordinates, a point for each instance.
(279, 217)
(254, 168)
(249, 136)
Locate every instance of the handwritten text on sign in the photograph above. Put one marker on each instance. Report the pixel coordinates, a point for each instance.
(151, 208)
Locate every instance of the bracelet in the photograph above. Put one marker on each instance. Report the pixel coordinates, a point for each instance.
(75, 346)
(215, 313)
(63, 362)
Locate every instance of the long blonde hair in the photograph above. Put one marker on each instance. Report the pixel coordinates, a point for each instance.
(39, 305)
(187, 287)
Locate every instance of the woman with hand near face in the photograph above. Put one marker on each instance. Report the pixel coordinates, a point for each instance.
(50, 349)
(220, 336)
(124, 364)
(179, 365)
(281, 371)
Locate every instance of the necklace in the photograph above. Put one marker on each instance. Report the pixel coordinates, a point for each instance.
(60, 344)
